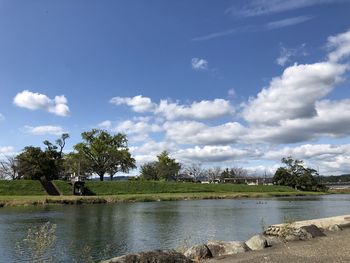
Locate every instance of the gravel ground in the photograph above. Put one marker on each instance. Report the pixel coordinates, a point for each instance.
(335, 247)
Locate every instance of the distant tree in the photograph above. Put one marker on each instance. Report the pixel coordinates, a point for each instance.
(234, 172)
(194, 170)
(105, 153)
(167, 167)
(296, 175)
(213, 173)
(75, 163)
(149, 171)
(9, 168)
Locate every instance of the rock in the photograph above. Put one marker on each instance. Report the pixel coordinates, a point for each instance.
(303, 233)
(198, 252)
(156, 256)
(257, 242)
(313, 230)
(273, 240)
(334, 228)
(221, 248)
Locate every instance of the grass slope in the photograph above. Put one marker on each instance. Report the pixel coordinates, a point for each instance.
(152, 187)
(21, 187)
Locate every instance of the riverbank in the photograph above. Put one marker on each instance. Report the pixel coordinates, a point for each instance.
(46, 200)
(316, 240)
(334, 247)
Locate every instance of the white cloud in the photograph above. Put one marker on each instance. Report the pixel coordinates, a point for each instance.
(44, 130)
(263, 7)
(199, 64)
(140, 127)
(105, 124)
(36, 101)
(213, 154)
(340, 45)
(332, 119)
(294, 94)
(7, 150)
(287, 22)
(327, 158)
(202, 110)
(137, 103)
(287, 53)
(191, 132)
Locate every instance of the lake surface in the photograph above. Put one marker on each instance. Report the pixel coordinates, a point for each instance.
(132, 227)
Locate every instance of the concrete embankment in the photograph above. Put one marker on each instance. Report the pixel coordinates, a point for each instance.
(321, 240)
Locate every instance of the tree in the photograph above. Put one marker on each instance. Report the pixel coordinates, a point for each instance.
(149, 171)
(9, 168)
(165, 168)
(296, 175)
(213, 173)
(105, 153)
(194, 170)
(234, 172)
(34, 163)
(75, 163)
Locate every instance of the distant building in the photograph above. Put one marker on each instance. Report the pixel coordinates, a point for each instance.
(248, 180)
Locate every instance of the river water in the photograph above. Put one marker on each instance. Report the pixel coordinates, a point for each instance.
(131, 227)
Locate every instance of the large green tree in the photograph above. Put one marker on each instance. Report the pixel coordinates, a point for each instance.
(105, 153)
(35, 163)
(295, 174)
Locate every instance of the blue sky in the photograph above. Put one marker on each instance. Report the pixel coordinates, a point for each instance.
(220, 83)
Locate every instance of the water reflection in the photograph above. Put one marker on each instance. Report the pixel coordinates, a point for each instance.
(143, 226)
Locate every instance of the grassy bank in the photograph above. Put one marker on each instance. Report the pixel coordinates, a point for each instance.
(26, 192)
(21, 187)
(155, 187)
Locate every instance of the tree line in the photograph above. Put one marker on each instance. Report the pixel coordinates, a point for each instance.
(99, 153)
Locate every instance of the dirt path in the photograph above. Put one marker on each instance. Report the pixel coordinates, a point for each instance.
(335, 247)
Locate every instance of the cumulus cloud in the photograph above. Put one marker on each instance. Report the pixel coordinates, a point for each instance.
(327, 158)
(332, 120)
(137, 127)
(202, 110)
(213, 154)
(137, 103)
(192, 132)
(36, 101)
(199, 64)
(340, 44)
(44, 130)
(294, 94)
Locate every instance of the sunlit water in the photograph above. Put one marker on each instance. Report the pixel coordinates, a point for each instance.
(134, 227)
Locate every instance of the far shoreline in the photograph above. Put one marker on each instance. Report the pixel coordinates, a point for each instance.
(42, 200)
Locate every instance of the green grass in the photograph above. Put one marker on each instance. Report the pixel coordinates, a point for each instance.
(152, 187)
(26, 192)
(63, 187)
(21, 187)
